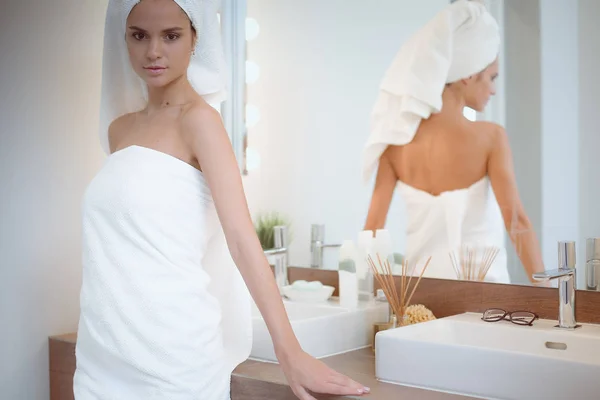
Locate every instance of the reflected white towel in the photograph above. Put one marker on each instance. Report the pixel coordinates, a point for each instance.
(460, 41)
(438, 225)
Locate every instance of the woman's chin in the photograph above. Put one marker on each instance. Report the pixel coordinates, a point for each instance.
(156, 82)
(477, 107)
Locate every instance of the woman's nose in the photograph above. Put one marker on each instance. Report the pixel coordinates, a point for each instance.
(154, 50)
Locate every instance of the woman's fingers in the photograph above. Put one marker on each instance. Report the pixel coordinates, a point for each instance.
(302, 394)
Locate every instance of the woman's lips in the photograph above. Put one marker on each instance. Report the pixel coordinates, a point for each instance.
(155, 70)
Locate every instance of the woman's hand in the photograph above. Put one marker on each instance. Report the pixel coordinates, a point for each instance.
(547, 284)
(306, 374)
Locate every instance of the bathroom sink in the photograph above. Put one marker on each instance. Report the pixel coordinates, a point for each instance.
(323, 329)
(464, 355)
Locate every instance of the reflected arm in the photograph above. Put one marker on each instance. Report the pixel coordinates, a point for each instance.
(519, 227)
(383, 192)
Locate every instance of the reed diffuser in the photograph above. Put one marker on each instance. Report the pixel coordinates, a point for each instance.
(400, 299)
(473, 263)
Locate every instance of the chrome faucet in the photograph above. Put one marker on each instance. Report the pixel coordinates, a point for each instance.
(317, 239)
(565, 274)
(592, 264)
(281, 250)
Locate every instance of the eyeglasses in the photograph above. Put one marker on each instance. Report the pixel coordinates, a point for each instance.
(516, 317)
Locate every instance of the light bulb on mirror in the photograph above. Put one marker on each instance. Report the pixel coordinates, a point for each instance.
(252, 72)
(252, 29)
(252, 159)
(252, 115)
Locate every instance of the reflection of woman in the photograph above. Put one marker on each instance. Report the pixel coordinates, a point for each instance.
(164, 312)
(455, 176)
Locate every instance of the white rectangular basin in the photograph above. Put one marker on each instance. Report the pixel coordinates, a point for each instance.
(492, 360)
(323, 329)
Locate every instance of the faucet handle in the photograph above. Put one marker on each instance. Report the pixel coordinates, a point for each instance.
(566, 263)
(317, 232)
(553, 274)
(280, 236)
(566, 254)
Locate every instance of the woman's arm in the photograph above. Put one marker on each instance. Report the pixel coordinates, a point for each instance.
(518, 225)
(383, 192)
(202, 128)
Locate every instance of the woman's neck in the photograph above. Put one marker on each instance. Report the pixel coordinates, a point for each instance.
(175, 93)
(453, 102)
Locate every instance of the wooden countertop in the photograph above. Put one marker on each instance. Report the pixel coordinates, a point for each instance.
(255, 380)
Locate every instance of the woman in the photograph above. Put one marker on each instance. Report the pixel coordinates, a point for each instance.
(442, 163)
(163, 314)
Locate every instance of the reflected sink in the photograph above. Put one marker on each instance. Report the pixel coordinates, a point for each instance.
(464, 355)
(323, 329)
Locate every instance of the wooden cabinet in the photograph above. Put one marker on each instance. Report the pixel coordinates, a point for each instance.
(62, 366)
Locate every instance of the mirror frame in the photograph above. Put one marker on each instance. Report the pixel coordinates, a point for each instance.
(233, 30)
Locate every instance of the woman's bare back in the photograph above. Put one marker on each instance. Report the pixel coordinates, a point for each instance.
(443, 156)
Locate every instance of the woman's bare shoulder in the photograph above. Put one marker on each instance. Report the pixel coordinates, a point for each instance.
(118, 127)
(488, 127)
(199, 118)
(494, 133)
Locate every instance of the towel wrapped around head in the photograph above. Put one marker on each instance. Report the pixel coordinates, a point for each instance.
(459, 42)
(124, 92)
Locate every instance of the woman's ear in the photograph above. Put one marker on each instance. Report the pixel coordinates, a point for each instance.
(194, 36)
(466, 81)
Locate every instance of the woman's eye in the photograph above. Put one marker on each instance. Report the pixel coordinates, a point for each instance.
(172, 36)
(138, 36)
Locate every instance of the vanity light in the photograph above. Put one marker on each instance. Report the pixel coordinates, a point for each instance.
(252, 72)
(252, 159)
(252, 29)
(252, 115)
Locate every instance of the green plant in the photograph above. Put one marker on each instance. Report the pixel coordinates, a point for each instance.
(264, 224)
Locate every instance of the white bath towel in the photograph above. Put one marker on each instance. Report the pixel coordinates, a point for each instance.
(460, 41)
(165, 313)
(439, 225)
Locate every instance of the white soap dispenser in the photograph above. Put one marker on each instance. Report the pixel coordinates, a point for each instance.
(364, 272)
(348, 280)
(382, 247)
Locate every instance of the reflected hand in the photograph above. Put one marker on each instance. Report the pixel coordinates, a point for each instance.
(548, 284)
(304, 373)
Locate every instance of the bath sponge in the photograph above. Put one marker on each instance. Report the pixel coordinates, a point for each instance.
(418, 313)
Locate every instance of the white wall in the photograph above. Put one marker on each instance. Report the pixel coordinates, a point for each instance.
(49, 84)
(560, 125)
(551, 120)
(589, 127)
(321, 64)
(523, 110)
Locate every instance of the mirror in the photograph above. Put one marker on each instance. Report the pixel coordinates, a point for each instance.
(316, 68)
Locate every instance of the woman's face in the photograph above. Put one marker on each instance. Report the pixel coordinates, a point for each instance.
(481, 87)
(160, 41)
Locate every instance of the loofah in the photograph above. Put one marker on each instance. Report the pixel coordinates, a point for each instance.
(418, 313)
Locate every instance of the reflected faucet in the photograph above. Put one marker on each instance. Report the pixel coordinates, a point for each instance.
(317, 239)
(565, 274)
(281, 250)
